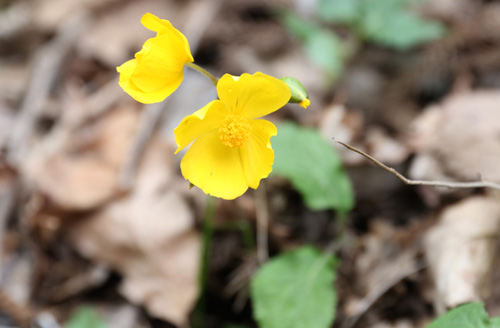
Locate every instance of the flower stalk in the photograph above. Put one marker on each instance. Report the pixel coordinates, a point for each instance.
(204, 72)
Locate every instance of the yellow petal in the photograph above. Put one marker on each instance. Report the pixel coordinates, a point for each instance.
(155, 24)
(254, 95)
(256, 153)
(202, 121)
(126, 70)
(163, 26)
(214, 168)
(157, 70)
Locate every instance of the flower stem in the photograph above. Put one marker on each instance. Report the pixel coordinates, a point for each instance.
(207, 236)
(204, 72)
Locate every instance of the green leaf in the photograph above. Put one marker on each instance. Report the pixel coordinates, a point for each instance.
(297, 26)
(471, 315)
(338, 11)
(387, 22)
(322, 46)
(85, 317)
(313, 166)
(326, 50)
(295, 290)
(495, 322)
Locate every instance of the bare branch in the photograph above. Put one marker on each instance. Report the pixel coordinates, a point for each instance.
(475, 184)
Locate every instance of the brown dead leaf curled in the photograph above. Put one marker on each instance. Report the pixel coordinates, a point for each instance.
(149, 237)
(81, 172)
(460, 250)
(458, 140)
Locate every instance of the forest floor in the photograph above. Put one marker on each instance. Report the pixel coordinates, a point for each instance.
(97, 222)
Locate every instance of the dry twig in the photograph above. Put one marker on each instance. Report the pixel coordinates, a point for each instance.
(475, 184)
(262, 215)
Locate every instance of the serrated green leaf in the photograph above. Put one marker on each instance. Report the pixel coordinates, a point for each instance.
(313, 166)
(338, 11)
(85, 317)
(295, 290)
(387, 22)
(471, 315)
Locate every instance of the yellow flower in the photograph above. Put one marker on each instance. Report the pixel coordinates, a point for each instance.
(157, 70)
(232, 149)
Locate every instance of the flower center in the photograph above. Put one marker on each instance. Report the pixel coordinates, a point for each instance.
(234, 130)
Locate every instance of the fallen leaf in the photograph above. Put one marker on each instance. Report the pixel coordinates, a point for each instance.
(149, 237)
(384, 148)
(451, 148)
(82, 172)
(460, 249)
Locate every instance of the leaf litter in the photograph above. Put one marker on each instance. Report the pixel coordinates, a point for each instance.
(71, 236)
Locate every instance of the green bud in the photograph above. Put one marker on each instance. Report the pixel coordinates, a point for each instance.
(299, 93)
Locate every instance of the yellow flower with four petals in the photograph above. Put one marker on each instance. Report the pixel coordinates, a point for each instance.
(157, 70)
(232, 149)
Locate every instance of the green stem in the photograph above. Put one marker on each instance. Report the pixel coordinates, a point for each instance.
(204, 72)
(208, 232)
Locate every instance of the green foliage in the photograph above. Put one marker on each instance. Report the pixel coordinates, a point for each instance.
(495, 322)
(85, 317)
(295, 290)
(314, 168)
(386, 22)
(322, 46)
(339, 11)
(471, 315)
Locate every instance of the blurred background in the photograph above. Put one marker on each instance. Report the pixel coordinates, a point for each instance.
(99, 229)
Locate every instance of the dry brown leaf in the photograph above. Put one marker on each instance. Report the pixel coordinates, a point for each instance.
(48, 14)
(339, 124)
(82, 172)
(460, 250)
(382, 264)
(149, 237)
(460, 141)
(384, 148)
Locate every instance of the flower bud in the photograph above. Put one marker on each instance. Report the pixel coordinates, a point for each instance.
(299, 93)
